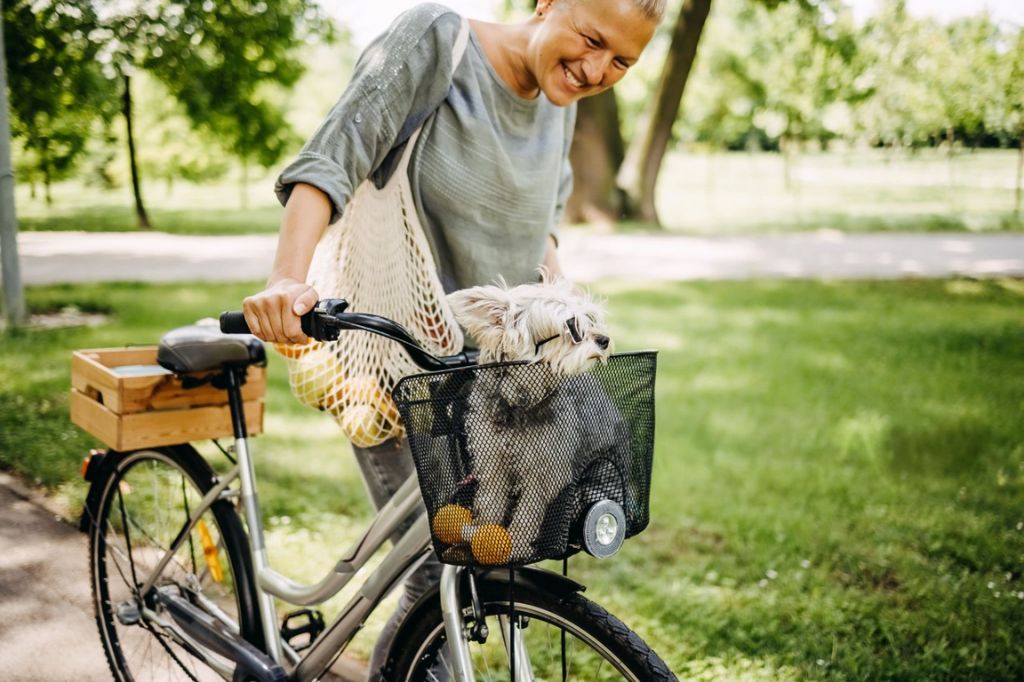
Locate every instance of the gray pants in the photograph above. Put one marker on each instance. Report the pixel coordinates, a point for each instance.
(384, 468)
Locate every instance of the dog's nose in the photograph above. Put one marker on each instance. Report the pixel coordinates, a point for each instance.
(601, 341)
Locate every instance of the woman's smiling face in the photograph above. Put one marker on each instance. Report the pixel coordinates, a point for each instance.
(583, 47)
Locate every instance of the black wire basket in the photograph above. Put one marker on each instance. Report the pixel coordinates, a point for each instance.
(511, 457)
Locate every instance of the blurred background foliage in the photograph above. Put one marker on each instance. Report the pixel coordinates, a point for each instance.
(222, 90)
(840, 468)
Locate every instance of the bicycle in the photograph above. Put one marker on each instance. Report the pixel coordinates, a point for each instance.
(183, 590)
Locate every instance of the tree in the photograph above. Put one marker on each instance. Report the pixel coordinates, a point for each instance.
(953, 57)
(175, 150)
(215, 58)
(1011, 110)
(802, 65)
(901, 109)
(58, 94)
(596, 155)
(10, 273)
(646, 155)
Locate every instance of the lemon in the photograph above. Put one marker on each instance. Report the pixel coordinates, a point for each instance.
(362, 425)
(312, 375)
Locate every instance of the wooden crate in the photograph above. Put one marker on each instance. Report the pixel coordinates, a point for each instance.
(122, 397)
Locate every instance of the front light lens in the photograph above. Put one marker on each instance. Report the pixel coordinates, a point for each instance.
(607, 529)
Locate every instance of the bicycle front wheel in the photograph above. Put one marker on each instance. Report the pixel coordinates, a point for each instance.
(563, 636)
(146, 500)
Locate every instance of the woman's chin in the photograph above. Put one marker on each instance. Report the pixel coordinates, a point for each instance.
(561, 96)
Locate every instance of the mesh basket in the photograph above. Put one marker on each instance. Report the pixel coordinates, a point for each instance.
(510, 457)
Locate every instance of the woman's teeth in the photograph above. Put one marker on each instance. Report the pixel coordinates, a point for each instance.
(573, 81)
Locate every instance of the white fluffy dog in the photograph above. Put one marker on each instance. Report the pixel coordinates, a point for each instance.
(513, 418)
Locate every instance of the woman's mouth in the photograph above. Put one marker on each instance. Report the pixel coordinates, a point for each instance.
(571, 79)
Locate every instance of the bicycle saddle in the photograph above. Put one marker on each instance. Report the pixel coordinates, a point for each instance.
(198, 348)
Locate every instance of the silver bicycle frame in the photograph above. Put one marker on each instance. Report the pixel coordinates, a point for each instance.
(403, 559)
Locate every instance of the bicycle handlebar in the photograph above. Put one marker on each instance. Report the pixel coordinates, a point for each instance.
(328, 319)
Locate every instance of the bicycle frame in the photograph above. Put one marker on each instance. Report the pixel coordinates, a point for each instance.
(407, 554)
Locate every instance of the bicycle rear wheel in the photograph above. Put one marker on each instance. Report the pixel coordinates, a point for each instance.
(598, 646)
(146, 499)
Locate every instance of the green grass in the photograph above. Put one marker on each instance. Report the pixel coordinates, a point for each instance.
(838, 485)
(735, 193)
(861, 191)
(213, 208)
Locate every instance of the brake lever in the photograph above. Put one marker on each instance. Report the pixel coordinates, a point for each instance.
(321, 323)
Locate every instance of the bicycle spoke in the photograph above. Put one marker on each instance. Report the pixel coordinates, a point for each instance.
(127, 539)
(188, 514)
(146, 512)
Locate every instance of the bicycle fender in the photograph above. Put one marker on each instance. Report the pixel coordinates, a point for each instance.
(538, 578)
(97, 476)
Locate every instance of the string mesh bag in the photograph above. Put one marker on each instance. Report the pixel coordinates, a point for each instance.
(509, 484)
(378, 258)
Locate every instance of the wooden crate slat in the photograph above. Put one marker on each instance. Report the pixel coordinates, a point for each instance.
(160, 427)
(92, 374)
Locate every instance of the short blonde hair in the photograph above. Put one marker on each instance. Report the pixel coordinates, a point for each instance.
(652, 9)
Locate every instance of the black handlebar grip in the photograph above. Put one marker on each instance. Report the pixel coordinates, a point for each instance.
(233, 322)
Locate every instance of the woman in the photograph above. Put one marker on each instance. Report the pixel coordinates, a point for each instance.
(489, 172)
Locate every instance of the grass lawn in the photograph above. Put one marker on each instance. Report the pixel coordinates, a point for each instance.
(860, 191)
(184, 209)
(735, 193)
(839, 474)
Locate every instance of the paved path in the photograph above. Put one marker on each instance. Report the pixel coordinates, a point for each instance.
(47, 629)
(49, 257)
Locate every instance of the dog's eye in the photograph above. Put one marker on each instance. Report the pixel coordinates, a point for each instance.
(574, 330)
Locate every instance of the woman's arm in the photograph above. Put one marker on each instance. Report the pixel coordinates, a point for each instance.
(273, 314)
(551, 262)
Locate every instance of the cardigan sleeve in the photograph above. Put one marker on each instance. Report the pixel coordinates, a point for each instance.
(398, 81)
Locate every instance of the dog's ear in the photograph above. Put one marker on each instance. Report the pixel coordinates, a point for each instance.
(484, 312)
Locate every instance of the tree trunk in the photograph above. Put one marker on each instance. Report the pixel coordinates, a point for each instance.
(596, 154)
(141, 219)
(47, 180)
(1020, 174)
(646, 155)
(244, 188)
(10, 266)
(786, 147)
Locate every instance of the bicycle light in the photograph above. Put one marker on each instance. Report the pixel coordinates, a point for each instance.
(604, 529)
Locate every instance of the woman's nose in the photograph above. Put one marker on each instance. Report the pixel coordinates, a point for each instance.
(595, 67)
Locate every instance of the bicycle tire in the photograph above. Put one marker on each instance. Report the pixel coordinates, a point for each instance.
(612, 650)
(151, 491)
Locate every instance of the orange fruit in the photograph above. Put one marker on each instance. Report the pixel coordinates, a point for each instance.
(491, 544)
(448, 523)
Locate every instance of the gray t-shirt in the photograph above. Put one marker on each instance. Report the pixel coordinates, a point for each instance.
(490, 171)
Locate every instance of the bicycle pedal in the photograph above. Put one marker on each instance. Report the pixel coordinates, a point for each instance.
(302, 634)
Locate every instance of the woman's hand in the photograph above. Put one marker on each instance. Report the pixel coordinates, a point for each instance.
(273, 314)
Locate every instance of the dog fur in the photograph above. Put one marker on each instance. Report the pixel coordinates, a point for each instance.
(514, 417)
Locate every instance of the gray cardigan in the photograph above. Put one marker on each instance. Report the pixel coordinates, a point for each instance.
(490, 171)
